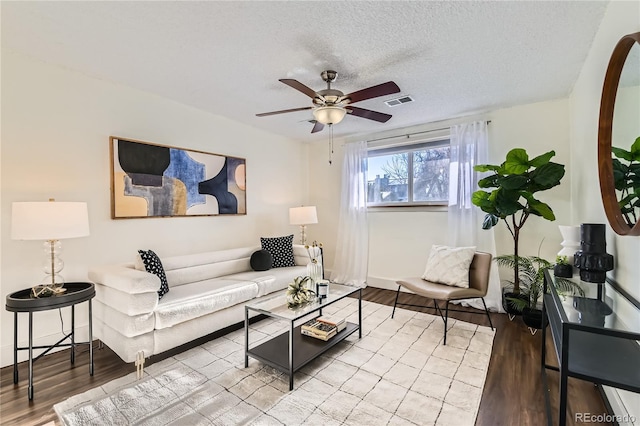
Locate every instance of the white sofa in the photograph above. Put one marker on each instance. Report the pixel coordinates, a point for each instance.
(207, 292)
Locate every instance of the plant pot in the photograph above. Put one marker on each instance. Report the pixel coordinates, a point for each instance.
(533, 318)
(511, 308)
(563, 270)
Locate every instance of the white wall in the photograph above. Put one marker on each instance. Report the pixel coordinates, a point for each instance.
(621, 18)
(400, 240)
(55, 143)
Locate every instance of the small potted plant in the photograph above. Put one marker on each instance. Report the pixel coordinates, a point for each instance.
(562, 267)
(529, 301)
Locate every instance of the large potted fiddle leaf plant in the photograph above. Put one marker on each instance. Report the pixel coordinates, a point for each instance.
(510, 194)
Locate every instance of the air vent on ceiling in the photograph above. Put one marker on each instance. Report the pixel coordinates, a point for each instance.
(398, 101)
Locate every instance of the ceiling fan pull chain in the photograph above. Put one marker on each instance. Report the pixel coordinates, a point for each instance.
(330, 143)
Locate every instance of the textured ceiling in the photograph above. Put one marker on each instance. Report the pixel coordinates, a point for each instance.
(453, 58)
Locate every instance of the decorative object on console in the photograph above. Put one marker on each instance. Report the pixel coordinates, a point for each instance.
(261, 260)
(563, 268)
(151, 180)
(299, 293)
(281, 249)
(618, 85)
(593, 259)
(153, 265)
(570, 241)
(51, 221)
(303, 216)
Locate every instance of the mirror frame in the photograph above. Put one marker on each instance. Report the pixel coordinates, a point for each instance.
(605, 126)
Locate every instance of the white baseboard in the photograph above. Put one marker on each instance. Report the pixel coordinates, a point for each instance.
(623, 415)
(385, 283)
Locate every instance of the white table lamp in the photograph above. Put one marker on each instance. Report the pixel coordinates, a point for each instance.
(303, 216)
(50, 221)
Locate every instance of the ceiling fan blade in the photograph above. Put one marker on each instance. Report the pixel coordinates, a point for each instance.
(373, 92)
(317, 127)
(299, 86)
(367, 113)
(264, 114)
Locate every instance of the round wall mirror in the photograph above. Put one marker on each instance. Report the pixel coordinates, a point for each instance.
(619, 137)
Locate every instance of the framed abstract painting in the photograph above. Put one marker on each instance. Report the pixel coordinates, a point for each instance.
(150, 180)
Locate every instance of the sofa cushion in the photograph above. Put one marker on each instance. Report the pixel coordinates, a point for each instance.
(261, 260)
(281, 248)
(277, 279)
(196, 267)
(153, 265)
(449, 265)
(194, 300)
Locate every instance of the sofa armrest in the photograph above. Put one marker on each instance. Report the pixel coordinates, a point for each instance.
(124, 279)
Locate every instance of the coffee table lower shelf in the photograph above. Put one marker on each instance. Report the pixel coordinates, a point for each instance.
(275, 352)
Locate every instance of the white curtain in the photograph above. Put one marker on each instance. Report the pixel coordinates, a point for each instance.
(352, 245)
(469, 147)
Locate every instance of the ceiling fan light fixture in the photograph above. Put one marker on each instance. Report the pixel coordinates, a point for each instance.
(329, 114)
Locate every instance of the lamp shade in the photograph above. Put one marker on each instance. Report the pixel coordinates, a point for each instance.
(303, 215)
(329, 114)
(49, 220)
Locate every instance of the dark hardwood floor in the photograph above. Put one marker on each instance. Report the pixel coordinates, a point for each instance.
(513, 393)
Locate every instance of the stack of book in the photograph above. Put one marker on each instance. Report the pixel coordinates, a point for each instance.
(323, 328)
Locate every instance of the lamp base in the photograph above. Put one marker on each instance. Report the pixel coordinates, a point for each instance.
(303, 234)
(52, 283)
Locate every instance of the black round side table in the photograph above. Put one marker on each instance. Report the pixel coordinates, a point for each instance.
(22, 301)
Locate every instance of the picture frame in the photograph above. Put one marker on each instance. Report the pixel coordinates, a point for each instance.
(152, 180)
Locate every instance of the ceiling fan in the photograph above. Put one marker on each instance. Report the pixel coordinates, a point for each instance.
(331, 105)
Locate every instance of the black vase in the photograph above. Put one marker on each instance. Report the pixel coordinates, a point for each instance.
(593, 259)
(563, 270)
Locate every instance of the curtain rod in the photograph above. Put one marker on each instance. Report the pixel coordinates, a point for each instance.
(413, 134)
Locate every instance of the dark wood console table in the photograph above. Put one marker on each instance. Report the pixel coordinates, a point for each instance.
(22, 301)
(591, 343)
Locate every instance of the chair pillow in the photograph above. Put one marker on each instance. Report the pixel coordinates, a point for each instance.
(281, 249)
(153, 265)
(261, 260)
(449, 265)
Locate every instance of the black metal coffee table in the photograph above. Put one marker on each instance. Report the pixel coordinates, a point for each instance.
(289, 352)
(22, 301)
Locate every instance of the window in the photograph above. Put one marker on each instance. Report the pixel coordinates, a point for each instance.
(409, 175)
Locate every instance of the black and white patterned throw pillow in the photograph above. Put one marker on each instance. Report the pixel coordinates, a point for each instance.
(153, 265)
(281, 249)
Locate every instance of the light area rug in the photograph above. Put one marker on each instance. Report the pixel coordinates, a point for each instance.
(399, 373)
